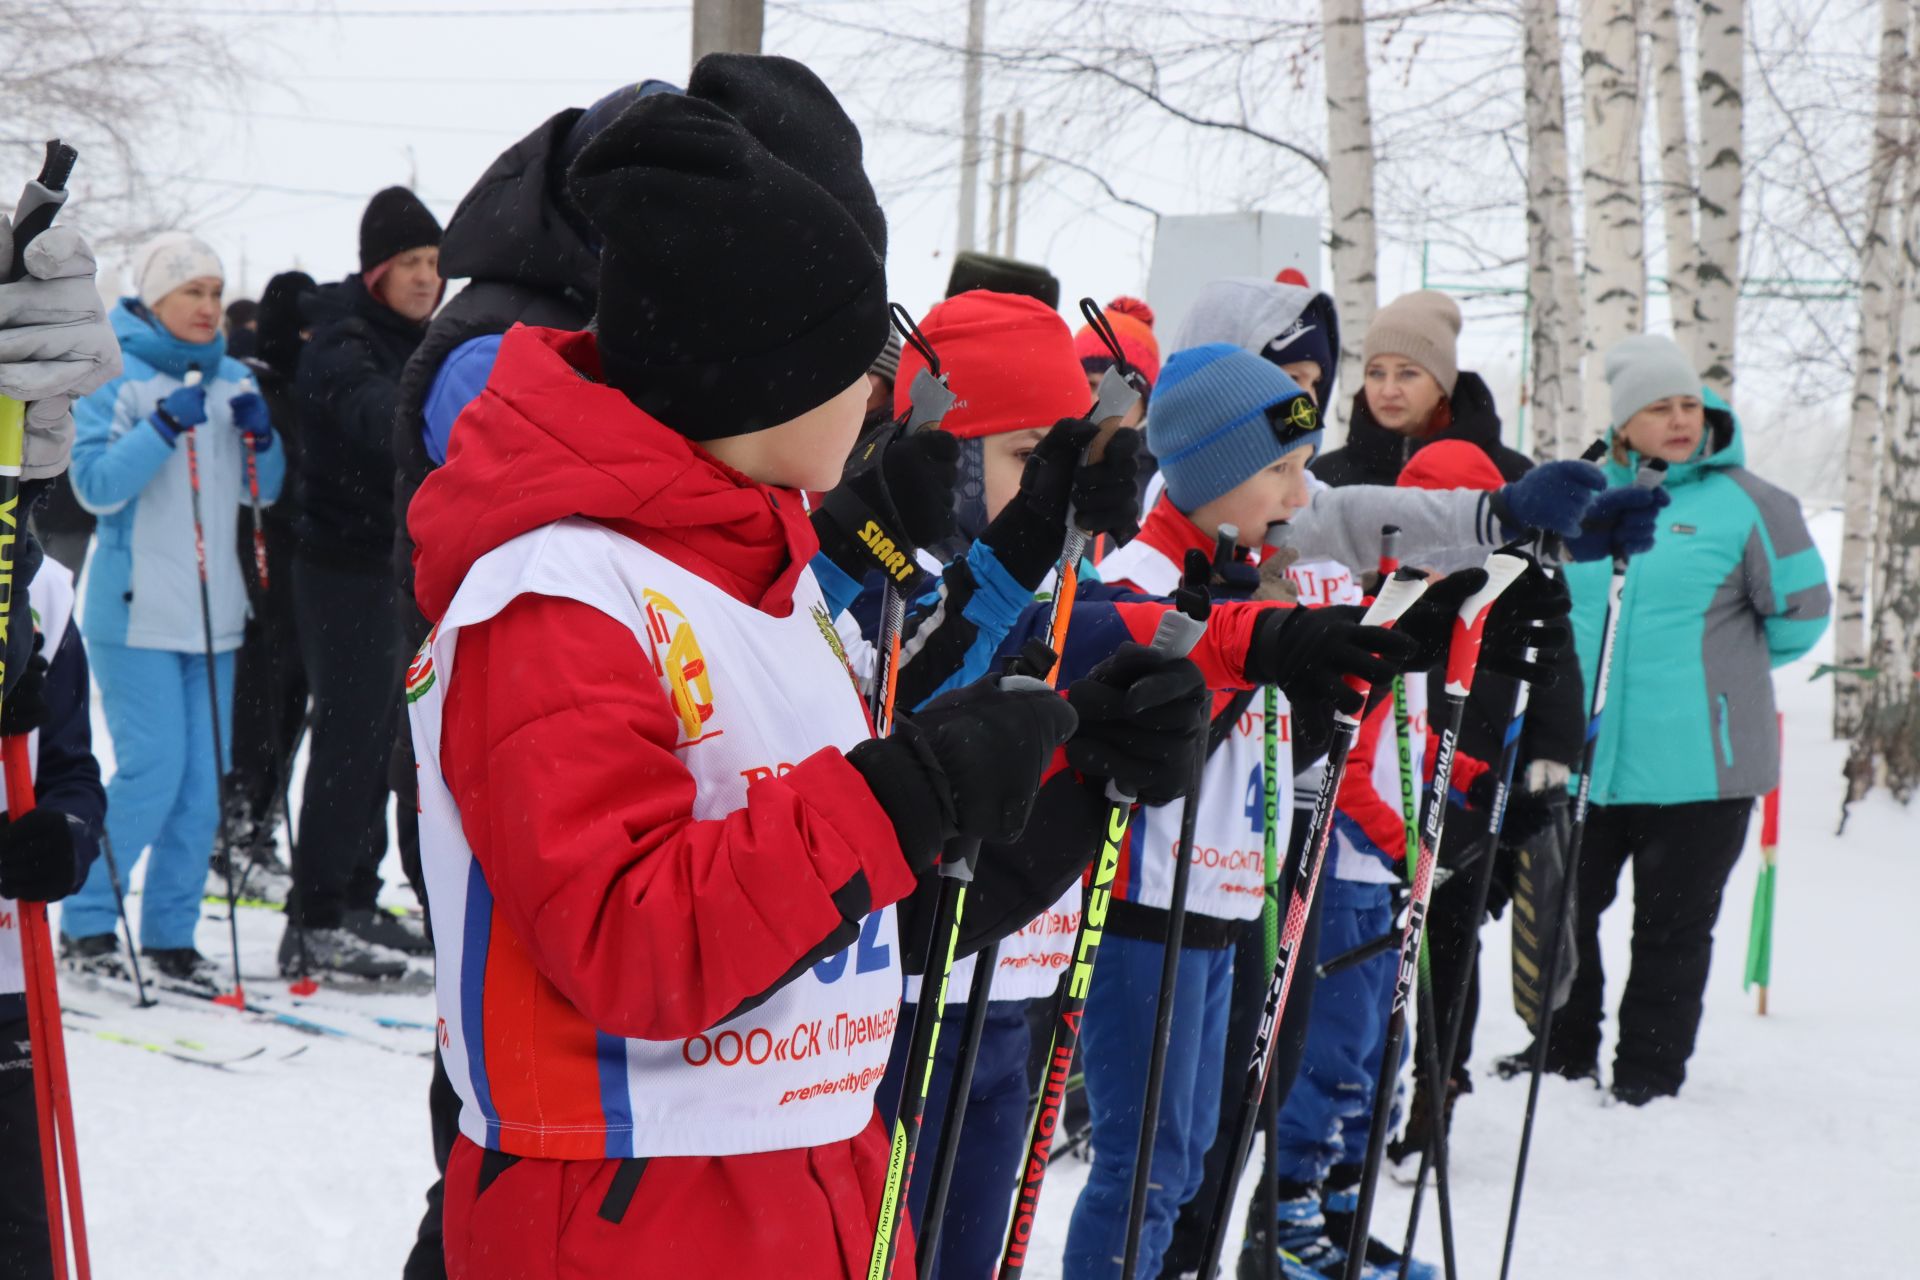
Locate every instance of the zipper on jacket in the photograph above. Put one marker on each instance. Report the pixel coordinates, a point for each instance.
(1726, 736)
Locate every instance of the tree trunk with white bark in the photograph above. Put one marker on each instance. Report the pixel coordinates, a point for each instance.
(1615, 278)
(1553, 281)
(1886, 750)
(1716, 290)
(1350, 233)
(1872, 385)
(1677, 190)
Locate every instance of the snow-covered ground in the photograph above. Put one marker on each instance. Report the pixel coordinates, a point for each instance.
(1794, 1152)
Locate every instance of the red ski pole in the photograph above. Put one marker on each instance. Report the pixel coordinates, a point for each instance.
(53, 1100)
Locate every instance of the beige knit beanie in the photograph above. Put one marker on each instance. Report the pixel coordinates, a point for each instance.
(1424, 327)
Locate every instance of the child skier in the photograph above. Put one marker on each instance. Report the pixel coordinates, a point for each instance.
(44, 856)
(662, 850)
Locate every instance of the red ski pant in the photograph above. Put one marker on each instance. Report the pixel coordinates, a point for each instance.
(804, 1214)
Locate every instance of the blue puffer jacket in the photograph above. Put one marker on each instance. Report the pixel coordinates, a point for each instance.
(142, 584)
(1732, 588)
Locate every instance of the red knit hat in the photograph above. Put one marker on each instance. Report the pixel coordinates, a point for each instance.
(1132, 322)
(1450, 464)
(1009, 360)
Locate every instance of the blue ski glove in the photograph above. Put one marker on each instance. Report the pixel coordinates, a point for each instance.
(1623, 521)
(250, 418)
(1553, 497)
(184, 409)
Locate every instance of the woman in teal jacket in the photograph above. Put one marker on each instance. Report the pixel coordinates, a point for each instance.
(141, 601)
(1732, 588)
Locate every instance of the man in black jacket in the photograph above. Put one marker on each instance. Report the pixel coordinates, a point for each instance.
(347, 388)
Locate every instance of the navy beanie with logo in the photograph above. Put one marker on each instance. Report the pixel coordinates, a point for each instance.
(1221, 415)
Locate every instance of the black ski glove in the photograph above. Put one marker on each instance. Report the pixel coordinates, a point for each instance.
(967, 764)
(1534, 597)
(1143, 723)
(1104, 495)
(39, 861)
(1308, 651)
(25, 707)
(1528, 812)
(895, 496)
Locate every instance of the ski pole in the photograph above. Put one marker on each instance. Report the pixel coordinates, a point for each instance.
(126, 925)
(1650, 475)
(1115, 396)
(1463, 660)
(1175, 635)
(236, 998)
(1432, 1156)
(950, 903)
(53, 1102)
(947, 1156)
(1270, 937)
(253, 494)
(928, 400)
(1760, 928)
(1397, 595)
(1225, 541)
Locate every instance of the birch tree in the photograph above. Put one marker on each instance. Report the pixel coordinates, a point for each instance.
(1886, 751)
(1677, 191)
(1553, 283)
(1350, 232)
(1867, 421)
(1716, 289)
(1615, 279)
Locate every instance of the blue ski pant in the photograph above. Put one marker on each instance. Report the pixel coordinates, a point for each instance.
(1325, 1117)
(164, 796)
(1115, 1041)
(991, 1134)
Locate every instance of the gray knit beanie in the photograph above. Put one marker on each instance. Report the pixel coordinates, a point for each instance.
(1644, 369)
(1424, 327)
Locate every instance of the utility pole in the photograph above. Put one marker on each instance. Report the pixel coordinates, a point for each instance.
(1017, 179)
(998, 186)
(970, 122)
(727, 26)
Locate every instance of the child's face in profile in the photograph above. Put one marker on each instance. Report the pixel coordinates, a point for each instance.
(1269, 496)
(807, 452)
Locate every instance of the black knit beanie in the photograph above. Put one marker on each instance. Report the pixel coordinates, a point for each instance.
(395, 221)
(736, 291)
(973, 270)
(794, 115)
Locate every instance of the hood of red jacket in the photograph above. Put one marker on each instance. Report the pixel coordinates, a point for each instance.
(546, 440)
(1450, 464)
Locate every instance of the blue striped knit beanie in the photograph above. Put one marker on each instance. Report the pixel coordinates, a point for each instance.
(1220, 415)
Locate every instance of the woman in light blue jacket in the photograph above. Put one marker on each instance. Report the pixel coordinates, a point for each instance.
(141, 613)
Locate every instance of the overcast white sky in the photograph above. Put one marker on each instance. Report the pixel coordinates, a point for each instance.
(348, 96)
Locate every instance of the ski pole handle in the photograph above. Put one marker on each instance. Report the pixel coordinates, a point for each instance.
(1389, 550)
(1504, 568)
(1398, 594)
(39, 202)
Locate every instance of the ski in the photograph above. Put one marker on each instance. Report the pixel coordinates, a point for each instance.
(100, 1026)
(169, 991)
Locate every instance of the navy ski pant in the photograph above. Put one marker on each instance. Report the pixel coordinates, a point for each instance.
(23, 1204)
